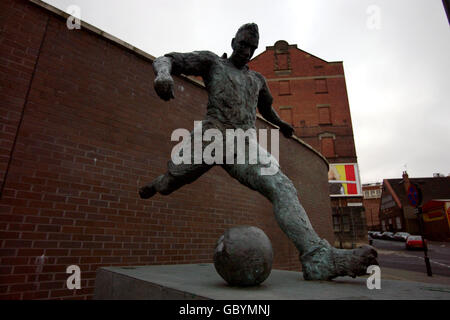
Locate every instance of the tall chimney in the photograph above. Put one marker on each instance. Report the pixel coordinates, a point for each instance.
(406, 182)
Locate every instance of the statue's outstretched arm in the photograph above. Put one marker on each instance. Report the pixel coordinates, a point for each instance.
(265, 108)
(163, 84)
(195, 63)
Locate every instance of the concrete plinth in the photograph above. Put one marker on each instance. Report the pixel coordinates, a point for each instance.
(201, 281)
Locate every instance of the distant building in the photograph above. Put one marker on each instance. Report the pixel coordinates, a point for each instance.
(372, 200)
(310, 94)
(397, 215)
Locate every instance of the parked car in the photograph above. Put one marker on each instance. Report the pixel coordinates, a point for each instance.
(414, 242)
(376, 235)
(387, 235)
(370, 237)
(401, 236)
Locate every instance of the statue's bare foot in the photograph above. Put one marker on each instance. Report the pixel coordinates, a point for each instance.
(147, 191)
(326, 263)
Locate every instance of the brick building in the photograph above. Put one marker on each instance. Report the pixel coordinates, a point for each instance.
(310, 93)
(396, 214)
(81, 130)
(371, 202)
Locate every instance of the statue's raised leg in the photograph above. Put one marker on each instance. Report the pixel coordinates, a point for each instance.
(176, 177)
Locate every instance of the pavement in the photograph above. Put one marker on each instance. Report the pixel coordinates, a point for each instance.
(202, 282)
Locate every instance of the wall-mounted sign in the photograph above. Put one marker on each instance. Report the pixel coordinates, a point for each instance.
(414, 195)
(344, 180)
(437, 214)
(437, 209)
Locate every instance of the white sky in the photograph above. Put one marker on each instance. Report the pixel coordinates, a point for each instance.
(395, 53)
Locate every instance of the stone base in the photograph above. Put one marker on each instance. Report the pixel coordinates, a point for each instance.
(202, 282)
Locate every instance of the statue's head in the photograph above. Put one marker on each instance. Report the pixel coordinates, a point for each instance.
(244, 44)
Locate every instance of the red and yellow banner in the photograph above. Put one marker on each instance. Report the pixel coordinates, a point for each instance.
(344, 179)
(437, 214)
(438, 209)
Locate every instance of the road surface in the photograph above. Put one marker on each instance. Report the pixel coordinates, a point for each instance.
(393, 254)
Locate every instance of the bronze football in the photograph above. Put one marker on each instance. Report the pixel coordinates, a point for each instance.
(243, 256)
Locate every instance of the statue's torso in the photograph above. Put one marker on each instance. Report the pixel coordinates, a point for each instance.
(233, 94)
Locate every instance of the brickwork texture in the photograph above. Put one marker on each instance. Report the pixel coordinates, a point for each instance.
(81, 130)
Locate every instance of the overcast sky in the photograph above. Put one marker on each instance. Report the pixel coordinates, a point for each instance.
(395, 53)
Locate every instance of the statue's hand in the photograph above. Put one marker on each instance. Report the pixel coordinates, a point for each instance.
(286, 129)
(164, 86)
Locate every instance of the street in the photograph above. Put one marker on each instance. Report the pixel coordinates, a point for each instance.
(392, 254)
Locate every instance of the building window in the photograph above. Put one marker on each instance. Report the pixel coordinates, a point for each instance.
(387, 202)
(336, 224)
(321, 86)
(390, 226)
(285, 87)
(383, 225)
(282, 62)
(324, 115)
(327, 147)
(398, 222)
(374, 193)
(346, 223)
(286, 114)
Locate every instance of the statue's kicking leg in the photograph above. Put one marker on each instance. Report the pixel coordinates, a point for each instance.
(164, 184)
(320, 261)
(176, 177)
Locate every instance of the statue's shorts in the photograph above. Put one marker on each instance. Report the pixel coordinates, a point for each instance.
(209, 144)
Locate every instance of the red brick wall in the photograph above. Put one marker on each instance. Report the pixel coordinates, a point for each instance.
(305, 70)
(22, 30)
(372, 208)
(89, 130)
